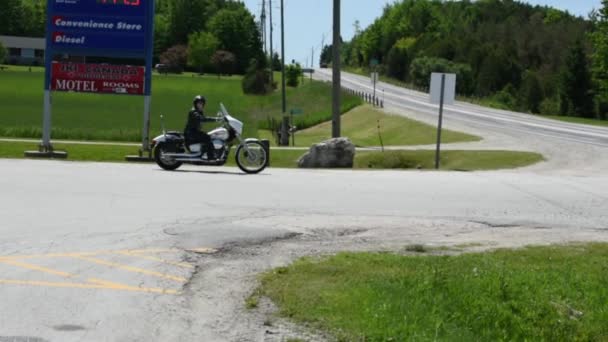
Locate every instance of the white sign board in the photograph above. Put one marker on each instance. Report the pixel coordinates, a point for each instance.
(374, 77)
(449, 94)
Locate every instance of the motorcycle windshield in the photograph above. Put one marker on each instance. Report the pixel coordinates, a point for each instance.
(234, 123)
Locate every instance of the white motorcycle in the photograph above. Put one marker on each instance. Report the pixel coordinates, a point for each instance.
(171, 151)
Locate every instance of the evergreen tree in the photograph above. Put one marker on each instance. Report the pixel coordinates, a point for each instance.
(575, 87)
(600, 58)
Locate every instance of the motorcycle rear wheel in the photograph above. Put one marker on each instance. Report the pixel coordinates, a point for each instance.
(168, 164)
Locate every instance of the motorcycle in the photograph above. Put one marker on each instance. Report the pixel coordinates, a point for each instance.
(171, 150)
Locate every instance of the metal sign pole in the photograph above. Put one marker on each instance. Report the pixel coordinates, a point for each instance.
(47, 111)
(375, 76)
(145, 147)
(437, 153)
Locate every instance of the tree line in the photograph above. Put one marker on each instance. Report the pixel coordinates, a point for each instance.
(523, 57)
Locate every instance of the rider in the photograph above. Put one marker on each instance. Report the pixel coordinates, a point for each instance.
(193, 132)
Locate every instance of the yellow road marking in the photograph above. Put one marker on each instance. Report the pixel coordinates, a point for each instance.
(147, 257)
(152, 250)
(130, 268)
(100, 285)
(36, 268)
(133, 251)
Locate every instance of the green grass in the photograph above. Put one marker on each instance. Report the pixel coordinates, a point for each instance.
(361, 126)
(585, 121)
(120, 118)
(555, 293)
(451, 160)
(113, 153)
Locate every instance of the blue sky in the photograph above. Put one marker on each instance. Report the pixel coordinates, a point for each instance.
(307, 21)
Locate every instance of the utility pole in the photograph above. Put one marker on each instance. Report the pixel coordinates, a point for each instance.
(271, 50)
(336, 72)
(285, 130)
(263, 27)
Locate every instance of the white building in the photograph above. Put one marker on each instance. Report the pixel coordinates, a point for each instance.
(24, 50)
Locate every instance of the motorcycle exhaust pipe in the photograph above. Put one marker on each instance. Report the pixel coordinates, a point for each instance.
(188, 159)
(182, 155)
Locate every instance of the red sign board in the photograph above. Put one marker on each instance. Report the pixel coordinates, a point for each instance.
(98, 78)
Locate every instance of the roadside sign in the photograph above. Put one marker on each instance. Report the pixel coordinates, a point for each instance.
(98, 78)
(296, 111)
(103, 28)
(374, 62)
(308, 71)
(449, 88)
(98, 28)
(443, 90)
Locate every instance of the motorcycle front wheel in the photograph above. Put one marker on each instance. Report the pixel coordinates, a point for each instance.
(252, 159)
(167, 163)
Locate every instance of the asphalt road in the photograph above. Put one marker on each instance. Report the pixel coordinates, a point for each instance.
(105, 252)
(500, 120)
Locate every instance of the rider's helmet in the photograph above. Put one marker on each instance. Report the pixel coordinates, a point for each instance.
(199, 99)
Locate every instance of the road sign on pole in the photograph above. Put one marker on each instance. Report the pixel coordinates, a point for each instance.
(443, 90)
(374, 78)
(114, 29)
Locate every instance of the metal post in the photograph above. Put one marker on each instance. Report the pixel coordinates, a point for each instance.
(375, 80)
(336, 72)
(47, 111)
(271, 49)
(46, 123)
(145, 144)
(293, 135)
(285, 135)
(437, 153)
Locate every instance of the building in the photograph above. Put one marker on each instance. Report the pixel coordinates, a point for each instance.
(24, 50)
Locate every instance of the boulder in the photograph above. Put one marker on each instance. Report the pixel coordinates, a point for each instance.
(333, 153)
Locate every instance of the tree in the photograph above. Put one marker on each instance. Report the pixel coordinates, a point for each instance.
(293, 73)
(575, 87)
(224, 62)
(161, 34)
(257, 78)
(201, 46)
(12, 17)
(188, 16)
(238, 33)
(600, 57)
(277, 64)
(175, 58)
(325, 55)
(399, 59)
(2, 53)
(531, 92)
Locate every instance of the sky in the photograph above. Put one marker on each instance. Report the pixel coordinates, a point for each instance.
(307, 22)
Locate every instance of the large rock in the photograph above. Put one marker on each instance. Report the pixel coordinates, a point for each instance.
(333, 153)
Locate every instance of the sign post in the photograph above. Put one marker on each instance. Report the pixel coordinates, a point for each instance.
(443, 91)
(295, 111)
(98, 28)
(374, 81)
(374, 64)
